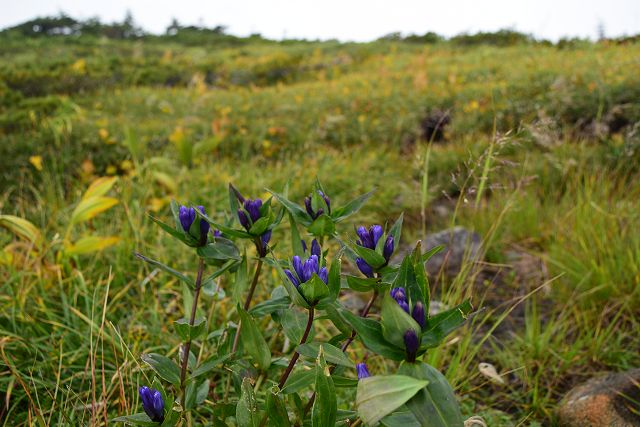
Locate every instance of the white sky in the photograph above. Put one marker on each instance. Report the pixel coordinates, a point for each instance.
(359, 20)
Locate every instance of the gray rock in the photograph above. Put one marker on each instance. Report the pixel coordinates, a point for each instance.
(460, 245)
(610, 400)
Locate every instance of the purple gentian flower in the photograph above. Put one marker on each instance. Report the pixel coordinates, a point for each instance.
(152, 403)
(411, 344)
(418, 314)
(315, 248)
(364, 267)
(387, 251)
(303, 271)
(361, 369)
(309, 208)
(187, 215)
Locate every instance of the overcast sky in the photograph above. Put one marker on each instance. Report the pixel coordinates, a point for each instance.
(359, 20)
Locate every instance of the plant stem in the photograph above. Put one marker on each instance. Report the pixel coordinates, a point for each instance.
(296, 355)
(192, 319)
(247, 302)
(364, 313)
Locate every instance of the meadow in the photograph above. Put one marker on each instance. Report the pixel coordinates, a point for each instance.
(539, 156)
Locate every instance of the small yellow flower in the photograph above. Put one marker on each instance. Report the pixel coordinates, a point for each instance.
(36, 161)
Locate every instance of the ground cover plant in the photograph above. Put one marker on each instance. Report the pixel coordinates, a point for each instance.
(531, 145)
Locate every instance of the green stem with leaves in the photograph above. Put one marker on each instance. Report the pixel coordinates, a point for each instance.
(192, 319)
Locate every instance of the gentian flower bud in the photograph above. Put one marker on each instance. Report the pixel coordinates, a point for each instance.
(242, 217)
(387, 251)
(253, 207)
(308, 208)
(292, 277)
(404, 305)
(186, 215)
(152, 403)
(265, 237)
(418, 314)
(398, 294)
(324, 275)
(309, 268)
(315, 248)
(204, 225)
(364, 267)
(376, 232)
(365, 238)
(217, 233)
(297, 266)
(304, 245)
(362, 370)
(411, 345)
(326, 200)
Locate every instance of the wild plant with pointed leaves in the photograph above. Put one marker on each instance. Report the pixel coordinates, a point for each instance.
(247, 379)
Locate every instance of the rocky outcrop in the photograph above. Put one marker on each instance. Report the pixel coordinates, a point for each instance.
(610, 400)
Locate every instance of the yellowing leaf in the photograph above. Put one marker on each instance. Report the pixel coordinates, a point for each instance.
(99, 187)
(80, 66)
(36, 161)
(21, 227)
(165, 180)
(88, 208)
(104, 134)
(90, 244)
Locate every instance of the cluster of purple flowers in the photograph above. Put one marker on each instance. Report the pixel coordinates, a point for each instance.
(252, 207)
(369, 239)
(315, 214)
(303, 271)
(400, 295)
(187, 216)
(152, 403)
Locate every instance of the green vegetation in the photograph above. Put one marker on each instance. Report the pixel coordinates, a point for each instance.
(540, 157)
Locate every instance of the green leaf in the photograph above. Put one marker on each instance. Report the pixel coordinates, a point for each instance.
(294, 323)
(370, 332)
(442, 324)
(395, 322)
(298, 213)
(241, 282)
(171, 418)
(334, 278)
(260, 226)
(188, 332)
(178, 234)
(422, 283)
(228, 231)
(435, 405)
(140, 419)
(361, 284)
(247, 408)
(379, 395)
(332, 354)
(234, 195)
(314, 289)
(351, 207)
(396, 230)
(401, 418)
(270, 306)
(373, 258)
(210, 364)
(431, 252)
(220, 249)
(164, 367)
(253, 341)
(322, 226)
(406, 278)
(277, 413)
(166, 268)
(344, 382)
(202, 392)
(332, 313)
(299, 380)
(325, 407)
